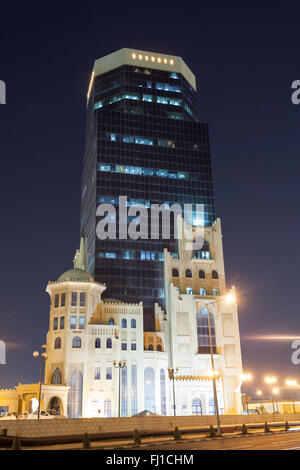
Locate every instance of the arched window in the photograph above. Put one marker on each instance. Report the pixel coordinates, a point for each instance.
(188, 273)
(203, 332)
(197, 406)
(215, 275)
(189, 290)
(158, 347)
(107, 408)
(124, 323)
(97, 343)
(54, 404)
(205, 246)
(56, 377)
(57, 343)
(133, 390)
(109, 343)
(203, 291)
(201, 274)
(163, 395)
(76, 343)
(111, 321)
(150, 347)
(133, 323)
(149, 389)
(216, 292)
(175, 272)
(75, 394)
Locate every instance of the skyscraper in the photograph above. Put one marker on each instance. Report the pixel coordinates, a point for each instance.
(143, 141)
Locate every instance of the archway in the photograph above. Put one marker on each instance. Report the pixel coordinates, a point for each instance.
(56, 404)
(33, 405)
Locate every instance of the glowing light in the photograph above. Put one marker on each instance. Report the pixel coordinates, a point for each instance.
(246, 377)
(212, 373)
(270, 380)
(291, 383)
(271, 337)
(230, 297)
(90, 85)
(275, 391)
(259, 392)
(152, 58)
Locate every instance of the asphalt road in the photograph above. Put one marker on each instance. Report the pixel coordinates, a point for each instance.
(279, 441)
(285, 441)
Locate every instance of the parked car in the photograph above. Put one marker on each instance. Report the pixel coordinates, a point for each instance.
(46, 414)
(9, 415)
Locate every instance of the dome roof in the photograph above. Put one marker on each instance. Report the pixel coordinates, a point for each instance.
(76, 274)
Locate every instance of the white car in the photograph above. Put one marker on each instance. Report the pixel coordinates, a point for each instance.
(9, 415)
(46, 414)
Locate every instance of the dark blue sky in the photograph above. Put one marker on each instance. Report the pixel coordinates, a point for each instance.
(245, 57)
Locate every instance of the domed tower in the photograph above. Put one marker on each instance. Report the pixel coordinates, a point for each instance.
(75, 297)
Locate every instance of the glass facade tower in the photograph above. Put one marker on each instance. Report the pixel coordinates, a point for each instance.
(143, 141)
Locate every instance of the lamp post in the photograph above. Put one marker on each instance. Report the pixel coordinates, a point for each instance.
(172, 373)
(44, 358)
(270, 381)
(275, 391)
(259, 394)
(293, 384)
(230, 298)
(119, 365)
(245, 378)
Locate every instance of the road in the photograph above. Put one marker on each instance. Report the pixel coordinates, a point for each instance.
(279, 441)
(284, 441)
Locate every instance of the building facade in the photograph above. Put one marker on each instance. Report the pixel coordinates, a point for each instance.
(143, 141)
(151, 305)
(90, 335)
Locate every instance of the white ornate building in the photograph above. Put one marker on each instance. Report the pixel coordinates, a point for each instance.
(87, 334)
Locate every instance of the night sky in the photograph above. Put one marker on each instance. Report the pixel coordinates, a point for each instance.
(245, 58)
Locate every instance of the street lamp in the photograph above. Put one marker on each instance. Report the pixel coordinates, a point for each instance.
(172, 373)
(293, 384)
(119, 365)
(43, 357)
(275, 391)
(245, 378)
(270, 381)
(259, 394)
(229, 298)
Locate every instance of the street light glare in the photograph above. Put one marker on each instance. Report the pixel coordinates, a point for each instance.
(270, 380)
(245, 377)
(291, 383)
(230, 297)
